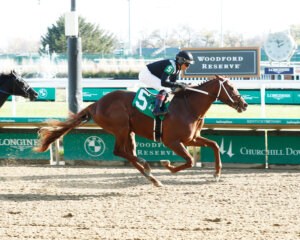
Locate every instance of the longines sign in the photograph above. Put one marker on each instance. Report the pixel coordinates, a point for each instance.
(233, 62)
(19, 146)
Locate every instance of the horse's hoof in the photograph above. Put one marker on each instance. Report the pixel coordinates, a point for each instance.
(217, 177)
(158, 184)
(165, 163)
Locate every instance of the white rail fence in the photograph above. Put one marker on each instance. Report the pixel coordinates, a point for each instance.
(133, 85)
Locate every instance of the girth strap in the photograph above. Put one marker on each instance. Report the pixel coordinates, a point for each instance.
(157, 131)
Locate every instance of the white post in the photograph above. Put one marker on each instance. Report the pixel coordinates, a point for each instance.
(51, 156)
(129, 29)
(262, 96)
(221, 24)
(13, 101)
(266, 149)
(141, 48)
(263, 115)
(67, 94)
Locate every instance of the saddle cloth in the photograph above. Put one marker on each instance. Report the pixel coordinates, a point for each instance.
(144, 101)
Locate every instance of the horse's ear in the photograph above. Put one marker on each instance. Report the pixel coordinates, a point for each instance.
(217, 76)
(14, 73)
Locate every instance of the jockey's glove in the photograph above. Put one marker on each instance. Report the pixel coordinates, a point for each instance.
(182, 86)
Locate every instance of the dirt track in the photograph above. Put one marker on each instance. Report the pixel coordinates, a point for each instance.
(43, 202)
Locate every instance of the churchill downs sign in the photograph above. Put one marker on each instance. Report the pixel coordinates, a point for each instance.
(233, 62)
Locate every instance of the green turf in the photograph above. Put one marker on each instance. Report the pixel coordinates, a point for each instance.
(36, 109)
(60, 109)
(254, 111)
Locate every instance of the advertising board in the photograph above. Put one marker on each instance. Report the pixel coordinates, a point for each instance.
(246, 148)
(45, 94)
(279, 70)
(98, 146)
(15, 145)
(271, 96)
(94, 94)
(233, 62)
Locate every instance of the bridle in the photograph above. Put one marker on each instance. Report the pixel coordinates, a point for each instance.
(231, 102)
(5, 92)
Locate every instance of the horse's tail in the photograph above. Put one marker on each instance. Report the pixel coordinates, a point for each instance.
(56, 129)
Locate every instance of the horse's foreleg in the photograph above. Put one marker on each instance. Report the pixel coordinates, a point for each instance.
(147, 172)
(204, 142)
(143, 166)
(180, 150)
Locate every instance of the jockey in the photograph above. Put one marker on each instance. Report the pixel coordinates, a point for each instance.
(163, 74)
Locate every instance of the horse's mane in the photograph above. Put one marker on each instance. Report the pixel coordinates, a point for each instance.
(3, 76)
(203, 83)
(9, 74)
(199, 86)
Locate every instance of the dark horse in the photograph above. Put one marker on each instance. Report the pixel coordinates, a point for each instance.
(14, 84)
(181, 126)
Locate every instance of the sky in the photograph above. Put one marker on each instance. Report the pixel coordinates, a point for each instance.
(29, 19)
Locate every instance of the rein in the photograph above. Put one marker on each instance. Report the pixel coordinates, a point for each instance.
(200, 91)
(2, 91)
(150, 92)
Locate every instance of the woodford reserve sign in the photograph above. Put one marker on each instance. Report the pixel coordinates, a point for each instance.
(233, 62)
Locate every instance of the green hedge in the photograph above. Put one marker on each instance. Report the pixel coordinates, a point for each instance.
(116, 75)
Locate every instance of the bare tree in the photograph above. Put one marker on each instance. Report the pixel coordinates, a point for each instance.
(233, 40)
(184, 36)
(295, 31)
(257, 40)
(19, 45)
(208, 38)
(146, 40)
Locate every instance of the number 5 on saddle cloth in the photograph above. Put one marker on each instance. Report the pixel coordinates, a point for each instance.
(144, 101)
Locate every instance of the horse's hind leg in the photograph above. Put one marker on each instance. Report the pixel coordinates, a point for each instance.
(131, 148)
(125, 147)
(147, 169)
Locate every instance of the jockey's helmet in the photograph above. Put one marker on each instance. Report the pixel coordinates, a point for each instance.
(184, 57)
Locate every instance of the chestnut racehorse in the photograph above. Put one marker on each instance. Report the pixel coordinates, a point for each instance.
(181, 126)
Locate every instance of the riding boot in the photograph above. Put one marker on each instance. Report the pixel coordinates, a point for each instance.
(159, 102)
